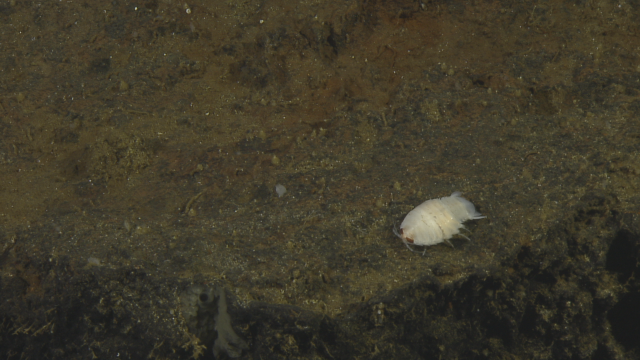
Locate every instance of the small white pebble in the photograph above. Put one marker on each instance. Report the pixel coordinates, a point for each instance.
(280, 190)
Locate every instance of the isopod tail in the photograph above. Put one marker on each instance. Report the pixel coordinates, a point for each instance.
(471, 212)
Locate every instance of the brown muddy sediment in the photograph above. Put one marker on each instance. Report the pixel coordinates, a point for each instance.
(142, 143)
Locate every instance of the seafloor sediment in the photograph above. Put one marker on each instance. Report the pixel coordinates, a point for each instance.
(142, 144)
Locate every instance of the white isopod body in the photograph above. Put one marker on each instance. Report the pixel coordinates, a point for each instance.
(437, 220)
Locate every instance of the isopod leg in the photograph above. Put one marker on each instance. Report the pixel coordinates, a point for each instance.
(406, 243)
(396, 232)
(409, 247)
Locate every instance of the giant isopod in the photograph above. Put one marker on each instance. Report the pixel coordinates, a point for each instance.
(436, 220)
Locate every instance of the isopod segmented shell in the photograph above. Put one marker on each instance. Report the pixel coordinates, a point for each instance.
(437, 220)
